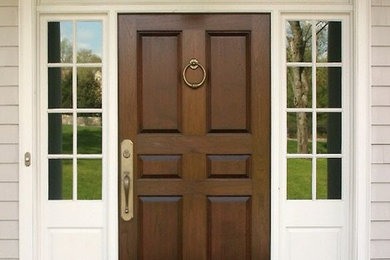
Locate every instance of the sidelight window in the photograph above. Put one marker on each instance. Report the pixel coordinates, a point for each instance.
(74, 110)
(314, 109)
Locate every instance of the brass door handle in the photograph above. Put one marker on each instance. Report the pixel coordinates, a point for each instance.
(127, 180)
(194, 64)
(126, 186)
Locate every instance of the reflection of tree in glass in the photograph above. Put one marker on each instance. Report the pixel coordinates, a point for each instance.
(66, 50)
(299, 39)
(89, 92)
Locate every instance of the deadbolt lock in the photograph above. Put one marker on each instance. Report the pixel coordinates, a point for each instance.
(126, 153)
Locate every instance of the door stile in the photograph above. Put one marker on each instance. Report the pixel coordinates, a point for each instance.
(260, 117)
(194, 124)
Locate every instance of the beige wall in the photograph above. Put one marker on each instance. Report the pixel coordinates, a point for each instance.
(380, 208)
(8, 129)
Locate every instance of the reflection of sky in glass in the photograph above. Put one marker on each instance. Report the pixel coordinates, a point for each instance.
(66, 30)
(89, 36)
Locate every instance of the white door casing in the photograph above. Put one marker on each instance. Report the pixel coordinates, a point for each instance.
(34, 217)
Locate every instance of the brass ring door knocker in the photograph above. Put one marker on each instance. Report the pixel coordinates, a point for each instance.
(194, 64)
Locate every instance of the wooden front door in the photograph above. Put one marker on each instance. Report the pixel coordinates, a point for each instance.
(201, 155)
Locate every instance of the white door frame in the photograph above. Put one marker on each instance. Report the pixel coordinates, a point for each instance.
(28, 72)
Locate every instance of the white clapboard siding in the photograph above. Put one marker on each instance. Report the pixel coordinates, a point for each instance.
(380, 153)
(9, 191)
(9, 229)
(381, 16)
(380, 115)
(380, 230)
(9, 210)
(9, 16)
(380, 249)
(9, 172)
(380, 55)
(380, 173)
(9, 36)
(9, 95)
(9, 3)
(8, 76)
(380, 192)
(9, 115)
(8, 56)
(9, 130)
(9, 249)
(380, 3)
(380, 134)
(381, 75)
(9, 153)
(380, 211)
(381, 95)
(380, 36)
(9, 134)
(380, 131)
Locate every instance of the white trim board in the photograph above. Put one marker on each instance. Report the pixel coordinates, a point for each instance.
(27, 101)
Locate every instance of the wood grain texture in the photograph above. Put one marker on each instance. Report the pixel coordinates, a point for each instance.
(229, 80)
(159, 166)
(160, 228)
(221, 129)
(159, 94)
(228, 166)
(229, 228)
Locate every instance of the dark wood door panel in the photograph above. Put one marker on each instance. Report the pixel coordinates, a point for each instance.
(159, 87)
(228, 55)
(202, 156)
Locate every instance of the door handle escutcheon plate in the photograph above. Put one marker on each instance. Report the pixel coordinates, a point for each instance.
(127, 199)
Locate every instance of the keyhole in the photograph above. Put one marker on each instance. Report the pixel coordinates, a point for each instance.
(126, 153)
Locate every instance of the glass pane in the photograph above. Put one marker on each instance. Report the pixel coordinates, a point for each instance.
(299, 133)
(60, 88)
(89, 133)
(299, 41)
(60, 134)
(89, 87)
(89, 42)
(329, 178)
(299, 87)
(89, 179)
(60, 42)
(299, 179)
(60, 179)
(329, 133)
(329, 87)
(328, 41)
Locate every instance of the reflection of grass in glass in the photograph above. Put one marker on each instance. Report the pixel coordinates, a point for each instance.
(89, 179)
(292, 146)
(67, 139)
(299, 178)
(89, 172)
(322, 179)
(89, 139)
(67, 177)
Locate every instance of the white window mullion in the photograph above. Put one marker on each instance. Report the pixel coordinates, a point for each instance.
(314, 114)
(74, 98)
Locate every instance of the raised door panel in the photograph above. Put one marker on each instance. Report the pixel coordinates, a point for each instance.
(229, 228)
(160, 228)
(159, 94)
(229, 90)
